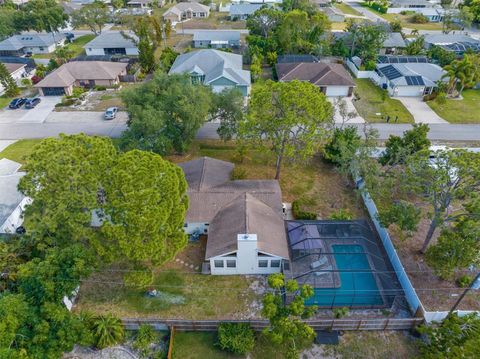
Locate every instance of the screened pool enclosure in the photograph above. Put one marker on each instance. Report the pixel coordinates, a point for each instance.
(344, 262)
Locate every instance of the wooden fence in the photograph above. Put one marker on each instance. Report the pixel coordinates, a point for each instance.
(317, 324)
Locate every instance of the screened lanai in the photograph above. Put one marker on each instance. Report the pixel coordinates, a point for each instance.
(344, 262)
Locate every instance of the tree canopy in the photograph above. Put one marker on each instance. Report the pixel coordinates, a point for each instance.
(94, 16)
(292, 119)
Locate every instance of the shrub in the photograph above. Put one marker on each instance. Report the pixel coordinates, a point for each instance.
(77, 92)
(464, 281)
(145, 337)
(419, 19)
(441, 98)
(237, 338)
(370, 65)
(341, 215)
(403, 214)
(100, 88)
(107, 330)
(26, 82)
(298, 213)
(340, 312)
(36, 79)
(238, 173)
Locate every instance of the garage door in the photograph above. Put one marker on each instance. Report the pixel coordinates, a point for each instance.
(334, 91)
(409, 91)
(53, 91)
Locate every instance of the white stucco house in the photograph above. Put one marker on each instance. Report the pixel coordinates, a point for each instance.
(17, 71)
(31, 43)
(112, 43)
(12, 202)
(243, 219)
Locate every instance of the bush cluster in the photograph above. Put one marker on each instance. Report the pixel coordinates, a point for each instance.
(298, 213)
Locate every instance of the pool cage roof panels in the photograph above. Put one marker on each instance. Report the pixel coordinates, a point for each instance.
(344, 262)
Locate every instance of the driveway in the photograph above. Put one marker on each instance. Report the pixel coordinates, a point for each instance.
(35, 115)
(351, 109)
(421, 112)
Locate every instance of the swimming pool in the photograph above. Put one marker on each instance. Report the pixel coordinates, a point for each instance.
(357, 284)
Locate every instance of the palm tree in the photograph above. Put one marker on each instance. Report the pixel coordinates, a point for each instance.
(107, 330)
(463, 73)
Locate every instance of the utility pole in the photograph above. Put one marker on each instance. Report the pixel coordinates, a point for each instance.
(475, 285)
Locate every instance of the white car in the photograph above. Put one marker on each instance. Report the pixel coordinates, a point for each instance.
(111, 113)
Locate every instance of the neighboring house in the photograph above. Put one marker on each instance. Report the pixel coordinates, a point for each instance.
(185, 11)
(289, 58)
(458, 44)
(333, 79)
(322, 3)
(409, 79)
(243, 219)
(269, 2)
(17, 71)
(81, 73)
(411, 4)
(31, 43)
(112, 43)
(333, 14)
(12, 202)
(242, 11)
(393, 43)
(433, 14)
(216, 39)
(218, 69)
(142, 4)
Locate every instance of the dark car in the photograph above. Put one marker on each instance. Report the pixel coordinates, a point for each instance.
(32, 102)
(17, 103)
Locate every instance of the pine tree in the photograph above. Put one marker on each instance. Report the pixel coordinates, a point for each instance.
(8, 83)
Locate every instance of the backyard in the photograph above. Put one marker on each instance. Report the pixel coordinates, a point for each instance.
(406, 20)
(76, 46)
(353, 345)
(373, 108)
(466, 110)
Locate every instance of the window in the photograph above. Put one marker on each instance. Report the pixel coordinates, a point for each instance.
(218, 264)
(275, 263)
(185, 225)
(231, 263)
(262, 263)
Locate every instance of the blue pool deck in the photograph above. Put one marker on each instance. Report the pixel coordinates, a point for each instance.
(358, 286)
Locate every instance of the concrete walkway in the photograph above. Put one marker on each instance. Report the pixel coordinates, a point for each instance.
(421, 112)
(351, 108)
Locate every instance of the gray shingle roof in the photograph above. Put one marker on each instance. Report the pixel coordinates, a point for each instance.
(444, 39)
(246, 214)
(394, 39)
(111, 40)
(216, 35)
(18, 42)
(430, 73)
(213, 64)
(244, 9)
(184, 6)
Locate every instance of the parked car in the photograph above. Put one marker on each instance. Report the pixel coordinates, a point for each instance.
(17, 103)
(111, 113)
(32, 102)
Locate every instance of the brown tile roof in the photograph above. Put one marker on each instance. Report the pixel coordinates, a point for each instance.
(73, 71)
(11, 68)
(247, 215)
(318, 73)
(206, 172)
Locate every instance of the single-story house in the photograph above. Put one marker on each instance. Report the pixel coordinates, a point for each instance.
(218, 69)
(409, 79)
(242, 11)
(392, 44)
(333, 79)
(333, 14)
(17, 71)
(433, 14)
(12, 202)
(143, 4)
(81, 73)
(457, 43)
(112, 43)
(243, 219)
(31, 43)
(186, 10)
(411, 4)
(216, 39)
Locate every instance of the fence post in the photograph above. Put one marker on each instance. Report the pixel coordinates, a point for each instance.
(170, 344)
(386, 324)
(359, 324)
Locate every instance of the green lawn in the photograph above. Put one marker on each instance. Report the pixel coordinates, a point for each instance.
(76, 46)
(19, 150)
(4, 101)
(370, 103)
(460, 111)
(347, 9)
